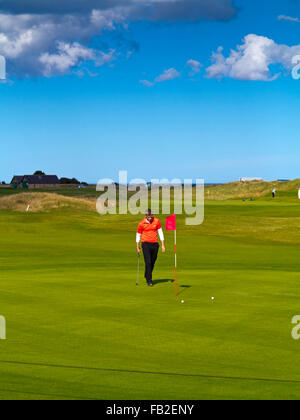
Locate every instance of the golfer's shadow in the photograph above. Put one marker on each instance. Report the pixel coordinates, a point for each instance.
(183, 287)
(155, 282)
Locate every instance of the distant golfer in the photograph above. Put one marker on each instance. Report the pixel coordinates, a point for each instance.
(148, 231)
(274, 193)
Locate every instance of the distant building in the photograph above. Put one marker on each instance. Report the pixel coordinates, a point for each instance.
(17, 179)
(250, 179)
(35, 181)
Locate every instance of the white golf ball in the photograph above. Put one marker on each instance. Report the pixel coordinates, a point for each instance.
(212, 298)
(182, 301)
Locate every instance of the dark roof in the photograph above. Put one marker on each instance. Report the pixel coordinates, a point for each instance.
(41, 179)
(36, 179)
(17, 178)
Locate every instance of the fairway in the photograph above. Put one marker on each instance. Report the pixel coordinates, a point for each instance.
(79, 328)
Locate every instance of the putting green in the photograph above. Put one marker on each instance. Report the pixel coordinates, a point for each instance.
(78, 327)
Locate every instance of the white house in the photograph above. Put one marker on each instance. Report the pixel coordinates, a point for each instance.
(250, 179)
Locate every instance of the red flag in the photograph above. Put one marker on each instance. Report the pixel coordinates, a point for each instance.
(171, 222)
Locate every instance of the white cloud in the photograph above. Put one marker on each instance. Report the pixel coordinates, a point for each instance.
(167, 75)
(34, 44)
(195, 67)
(252, 60)
(170, 74)
(147, 83)
(70, 55)
(288, 18)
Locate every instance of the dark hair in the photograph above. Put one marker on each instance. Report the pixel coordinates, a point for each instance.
(149, 212)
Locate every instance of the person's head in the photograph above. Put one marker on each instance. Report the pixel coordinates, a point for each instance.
(149, 216)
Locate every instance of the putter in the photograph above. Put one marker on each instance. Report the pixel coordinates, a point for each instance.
(138, 270)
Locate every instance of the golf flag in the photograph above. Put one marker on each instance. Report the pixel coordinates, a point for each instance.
(171, 225)
(171, 222)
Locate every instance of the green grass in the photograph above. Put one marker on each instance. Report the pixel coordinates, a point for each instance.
(78, 327)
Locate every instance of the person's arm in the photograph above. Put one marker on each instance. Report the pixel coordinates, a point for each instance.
(162, 238)
(138, 240)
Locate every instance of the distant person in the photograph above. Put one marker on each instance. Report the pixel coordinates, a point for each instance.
(299, 194)
(274, 193)
(148, 231)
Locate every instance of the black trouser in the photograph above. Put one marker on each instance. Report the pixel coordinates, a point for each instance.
(150, 251)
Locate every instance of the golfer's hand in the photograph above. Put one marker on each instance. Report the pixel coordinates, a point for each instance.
(139, 250)
(163, 248)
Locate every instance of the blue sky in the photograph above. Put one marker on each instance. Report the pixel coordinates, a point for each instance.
(85, 113)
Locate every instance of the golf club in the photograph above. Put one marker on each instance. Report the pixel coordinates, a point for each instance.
(138, 270)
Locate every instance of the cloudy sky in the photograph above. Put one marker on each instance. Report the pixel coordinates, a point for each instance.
(162, 88)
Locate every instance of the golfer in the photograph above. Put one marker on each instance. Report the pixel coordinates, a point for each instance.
(274, 193)
(148, 231)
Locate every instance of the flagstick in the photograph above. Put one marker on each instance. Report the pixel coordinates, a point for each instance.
(175, 240)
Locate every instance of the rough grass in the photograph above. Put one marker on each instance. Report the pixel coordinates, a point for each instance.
(231, 191)
(246, 190)
(41, 202)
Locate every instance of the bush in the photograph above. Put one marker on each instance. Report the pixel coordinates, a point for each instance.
(73, 181)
